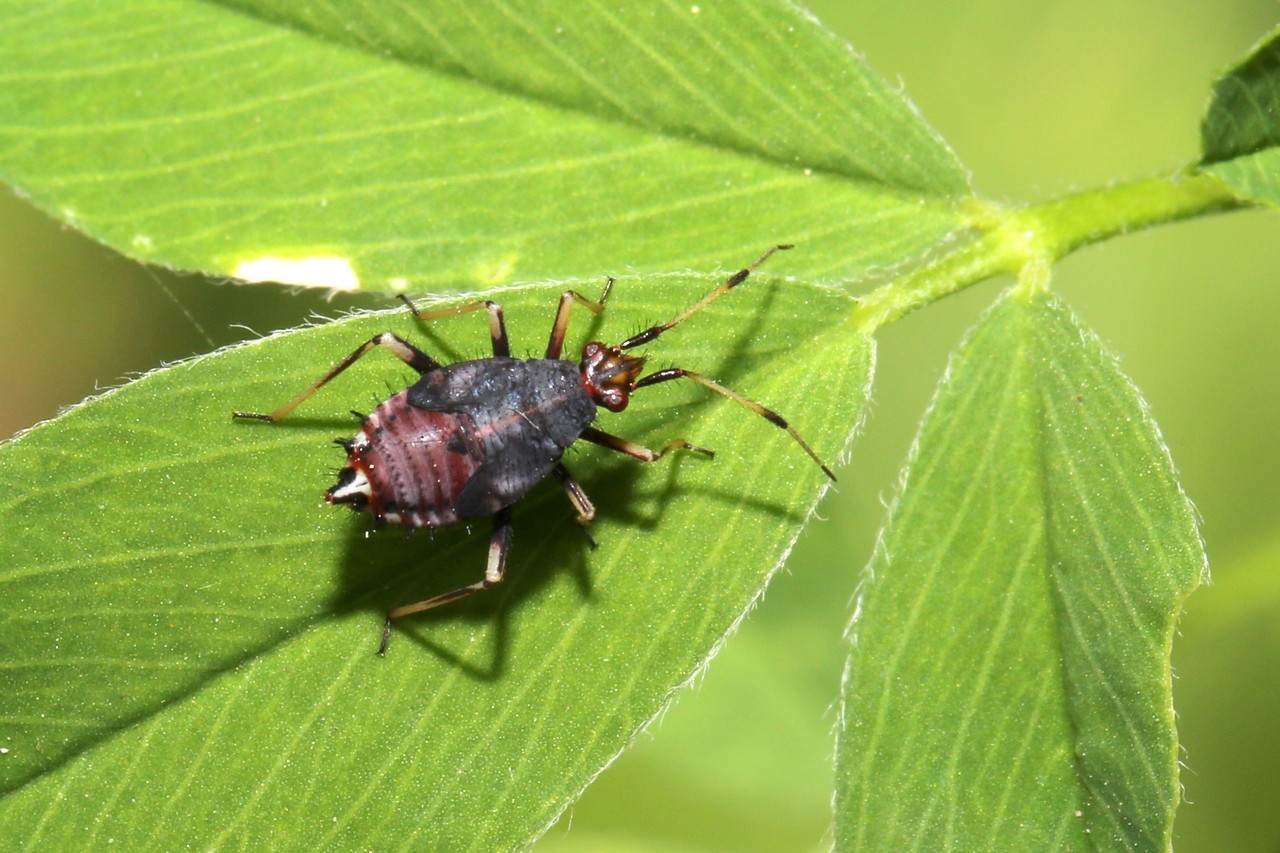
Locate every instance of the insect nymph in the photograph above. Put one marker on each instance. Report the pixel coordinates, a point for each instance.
(472, 438)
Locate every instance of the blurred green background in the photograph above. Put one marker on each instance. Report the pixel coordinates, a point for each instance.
(1038, 99)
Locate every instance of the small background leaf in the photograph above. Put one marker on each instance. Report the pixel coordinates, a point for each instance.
(190, 634)
(450, 147)
(1241, 130)
(1009, 683)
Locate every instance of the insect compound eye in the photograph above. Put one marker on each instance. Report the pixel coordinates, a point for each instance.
(615, 399)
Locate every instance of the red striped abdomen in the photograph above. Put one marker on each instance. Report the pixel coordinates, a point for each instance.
(408, 466)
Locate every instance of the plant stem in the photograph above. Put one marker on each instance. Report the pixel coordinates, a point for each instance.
(1027, 241)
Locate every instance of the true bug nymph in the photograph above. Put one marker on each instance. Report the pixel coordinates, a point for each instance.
(470, 439)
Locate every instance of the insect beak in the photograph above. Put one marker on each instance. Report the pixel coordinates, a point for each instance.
(628, 370)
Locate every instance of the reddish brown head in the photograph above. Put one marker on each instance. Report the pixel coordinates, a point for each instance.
(609, 375)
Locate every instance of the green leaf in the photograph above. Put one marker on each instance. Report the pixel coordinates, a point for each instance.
(189, 632)
(1009, 682)
(1227, 655)
(1240, 134)
(448, 145)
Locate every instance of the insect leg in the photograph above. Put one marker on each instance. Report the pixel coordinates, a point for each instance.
(497, 324)
(581, 503)
(729, 284)
(639, 451)
(561, 324)
(499, 544)
(768, 414)
(401, 349)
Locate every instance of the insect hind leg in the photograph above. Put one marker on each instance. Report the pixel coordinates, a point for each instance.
(400, 348)
(499, 545)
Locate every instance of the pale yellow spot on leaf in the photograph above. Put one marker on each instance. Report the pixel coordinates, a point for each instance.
(498, 271)
(316, 271)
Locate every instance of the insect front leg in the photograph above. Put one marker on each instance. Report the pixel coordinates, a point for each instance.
(400, 348)
(499, 545)
(560, 327)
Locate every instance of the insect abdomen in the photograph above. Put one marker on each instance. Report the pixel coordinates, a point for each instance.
(408, 466)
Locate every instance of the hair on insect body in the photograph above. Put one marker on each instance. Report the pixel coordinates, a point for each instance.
(471, 438)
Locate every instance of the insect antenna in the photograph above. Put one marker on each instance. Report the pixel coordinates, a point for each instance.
(670, 373)
(768, 414)
(729, 284)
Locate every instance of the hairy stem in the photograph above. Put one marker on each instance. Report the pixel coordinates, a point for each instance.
(1026, 241)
